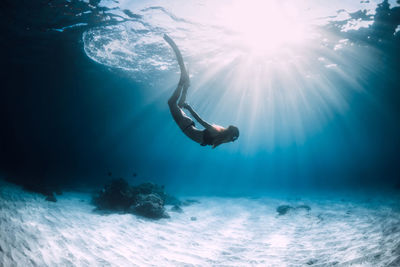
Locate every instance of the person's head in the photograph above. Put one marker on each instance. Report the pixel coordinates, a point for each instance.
(233, 133)
(227, 135)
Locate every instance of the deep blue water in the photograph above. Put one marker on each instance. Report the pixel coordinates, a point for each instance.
(313, 180)
(85, 87)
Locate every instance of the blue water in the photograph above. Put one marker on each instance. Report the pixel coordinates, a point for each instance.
(319, 111)
(313, 87)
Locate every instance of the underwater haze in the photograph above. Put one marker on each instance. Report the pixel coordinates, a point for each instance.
(313, 86)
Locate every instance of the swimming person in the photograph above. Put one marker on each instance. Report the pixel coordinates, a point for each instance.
(212, 135)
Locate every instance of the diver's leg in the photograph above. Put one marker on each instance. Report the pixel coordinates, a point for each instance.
(178, 114)
(175, 96)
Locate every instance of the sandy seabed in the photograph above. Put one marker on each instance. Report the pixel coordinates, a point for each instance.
(352, 231)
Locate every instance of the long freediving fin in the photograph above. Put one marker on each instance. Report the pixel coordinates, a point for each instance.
(177, 53)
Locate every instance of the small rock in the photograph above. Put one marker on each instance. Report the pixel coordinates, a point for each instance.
(176, 208)
(311, 261)
(51, 198)
(283, 209)
(193, 218)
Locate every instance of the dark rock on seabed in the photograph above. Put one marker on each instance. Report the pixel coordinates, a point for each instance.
(311, 261)
(115, 196)
(283, 209)
(150, 206)
(146, 199)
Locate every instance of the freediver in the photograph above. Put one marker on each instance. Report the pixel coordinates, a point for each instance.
(212, 135)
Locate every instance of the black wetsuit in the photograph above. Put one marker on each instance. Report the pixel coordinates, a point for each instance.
(208, 140)
(189, 125)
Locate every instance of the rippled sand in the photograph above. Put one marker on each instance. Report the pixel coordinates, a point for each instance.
(226, 232)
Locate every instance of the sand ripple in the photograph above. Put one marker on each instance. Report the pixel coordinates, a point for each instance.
(227, 232)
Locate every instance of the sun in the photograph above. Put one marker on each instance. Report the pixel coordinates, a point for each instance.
(265, 26)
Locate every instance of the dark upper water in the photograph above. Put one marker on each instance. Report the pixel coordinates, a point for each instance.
(314, 89)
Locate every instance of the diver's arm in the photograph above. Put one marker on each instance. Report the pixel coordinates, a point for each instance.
(197, 117)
